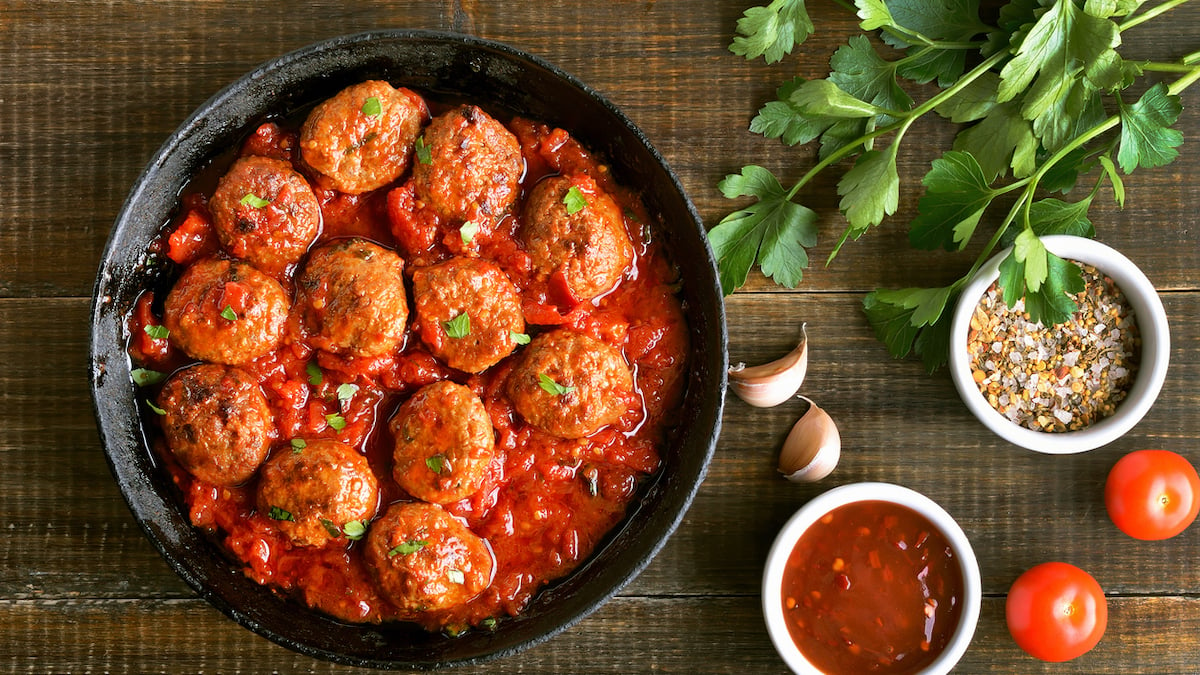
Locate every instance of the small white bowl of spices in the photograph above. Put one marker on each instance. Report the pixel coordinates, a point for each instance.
(1071, 387)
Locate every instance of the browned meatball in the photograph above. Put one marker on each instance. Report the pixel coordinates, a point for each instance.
(351, 300)
(474, 167)
(311, 493)
(362, 138)
(443, 443)
(570, 224)
(442, 293)
(216, 422)
(226, 312)
(570, 385)
(265, 212)
(424, 559)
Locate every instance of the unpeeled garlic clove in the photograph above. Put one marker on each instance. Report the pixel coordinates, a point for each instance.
(813, 447)
(772, 383)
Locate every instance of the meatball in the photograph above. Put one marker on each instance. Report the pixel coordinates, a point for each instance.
(424, 559)
(443, 443)
(216, 422)
(442, 293)
(311, 493)
(351, 299)
(570, 385)
(265, 212)
(226, 312)
(572, 225)
(474, 167)
(362, 138)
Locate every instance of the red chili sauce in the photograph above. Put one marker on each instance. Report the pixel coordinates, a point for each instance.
(872, 587)
(545, 502)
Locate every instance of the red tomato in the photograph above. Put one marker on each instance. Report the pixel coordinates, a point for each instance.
(1056, 612)
(1152, 494)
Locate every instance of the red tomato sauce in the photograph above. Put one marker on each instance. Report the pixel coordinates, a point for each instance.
(872, 587)
(546, 503)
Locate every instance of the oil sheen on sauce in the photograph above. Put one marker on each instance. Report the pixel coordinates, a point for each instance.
(872, 587)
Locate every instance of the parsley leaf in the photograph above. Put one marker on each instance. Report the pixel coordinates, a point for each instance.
(1001, 140)
(276, 513)
(436, 463)
(157, 410)
(858, 70)
(1118, 184)
(228, 314)
(459, 327)
(336, 421)
(772, 31)
(938, 20)
(468, 231)
(254, 201)
(956, 194)
(1053, 216)
(1045, 280)
(355, 529)
(157, 332)
(346, 392)
(574, 200)
(773, 231)
(314, 373)
(298, 444)
(912, 320)
(1146, 137)
(408, 547)
(519, 338)
(549, 386)
(424, 153)
(143, 377)
(372, 107)
(870, 191)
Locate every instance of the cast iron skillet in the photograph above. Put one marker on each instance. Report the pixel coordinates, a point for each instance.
(492, 75)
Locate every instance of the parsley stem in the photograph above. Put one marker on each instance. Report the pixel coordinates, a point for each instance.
(1184, 82)
(909, 118)
(1133, 21)
(1167, 67)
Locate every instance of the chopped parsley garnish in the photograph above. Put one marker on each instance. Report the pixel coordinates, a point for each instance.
(157, 332)
(372, 107)
(253, 200)
(314, 373)
(456, 576)
(299, 444)
(519, 338)
(408, 547)
(143, 377)
(157, 410)
(468, 231)
(331, 528)
(436, 463)
(574, 200)
(345, 392)
(551, 387)
(459, 327)
(336, 421)
(424, 154)
(355, 529)
(276, 513)
(228, 314)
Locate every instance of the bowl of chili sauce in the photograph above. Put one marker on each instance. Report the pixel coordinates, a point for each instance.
(451, 68)
(871, 578)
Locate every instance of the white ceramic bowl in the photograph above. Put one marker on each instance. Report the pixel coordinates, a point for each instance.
(772, 599)
(1156, 348)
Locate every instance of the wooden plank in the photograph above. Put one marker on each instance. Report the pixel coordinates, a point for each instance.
(663, 635)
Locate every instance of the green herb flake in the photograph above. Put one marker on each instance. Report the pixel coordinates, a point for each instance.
(424, 153)
(488, 623)
(331, 528)
(157, 332)
(314, 373)
(254, 201)
(157, 410)
(228, 314)
(456, 576)
(143, 377)
(355, 529)
(468, 231)
(459, 327)
(519, 338)
(336, 421)
(346, 392)
(551, 387)
(299, 444)
(276, 513)
(408, 547)
(574, 200)
(372, 107)
(436, 463)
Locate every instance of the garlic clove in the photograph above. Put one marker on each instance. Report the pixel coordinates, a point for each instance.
(772, 383)
(812, 448)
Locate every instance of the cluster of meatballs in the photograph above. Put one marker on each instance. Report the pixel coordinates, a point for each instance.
(351, 297)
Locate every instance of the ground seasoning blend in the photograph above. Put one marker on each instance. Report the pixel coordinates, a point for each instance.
(1056, 378)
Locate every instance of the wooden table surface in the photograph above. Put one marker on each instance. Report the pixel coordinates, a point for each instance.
(88, 91)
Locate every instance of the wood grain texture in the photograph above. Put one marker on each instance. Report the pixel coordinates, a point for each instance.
(90, 88)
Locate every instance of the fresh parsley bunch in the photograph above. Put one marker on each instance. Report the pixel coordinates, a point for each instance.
(1041, 105)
